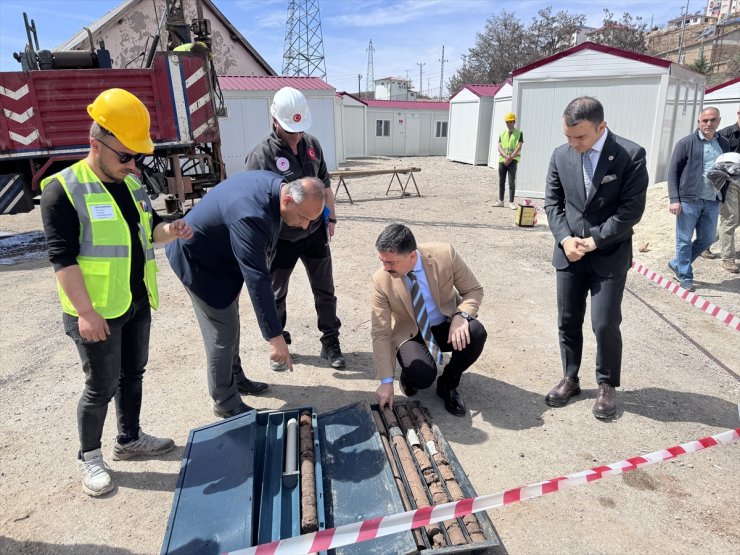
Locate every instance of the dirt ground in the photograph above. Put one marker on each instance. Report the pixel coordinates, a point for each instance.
(680, 382)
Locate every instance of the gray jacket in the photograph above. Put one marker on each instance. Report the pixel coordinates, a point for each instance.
(686, 170)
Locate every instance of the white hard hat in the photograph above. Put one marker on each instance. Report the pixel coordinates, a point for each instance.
(732, 157)
(290, 109)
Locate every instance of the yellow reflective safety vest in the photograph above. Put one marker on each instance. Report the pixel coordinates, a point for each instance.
(509, 143)
(105, 241)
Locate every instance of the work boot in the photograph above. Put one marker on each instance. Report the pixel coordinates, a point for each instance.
(95, 477)
(708, 254)
(145, 446)
(729, 265)
(559, 395)
(605, 406)
(333, 354)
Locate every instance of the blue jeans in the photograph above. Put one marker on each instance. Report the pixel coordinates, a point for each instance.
(700, 216)
(113, 368)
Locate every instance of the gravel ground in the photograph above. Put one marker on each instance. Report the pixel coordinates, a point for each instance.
(680, 382)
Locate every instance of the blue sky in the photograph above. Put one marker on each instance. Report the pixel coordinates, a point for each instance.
(404, 32)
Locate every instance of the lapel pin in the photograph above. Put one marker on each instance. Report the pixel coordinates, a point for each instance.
(611, 158)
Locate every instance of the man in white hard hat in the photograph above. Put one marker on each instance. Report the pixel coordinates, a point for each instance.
(291, 152)
(100, 229)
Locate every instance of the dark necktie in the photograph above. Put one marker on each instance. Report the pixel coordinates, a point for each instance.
(422, 318)
(588, 171)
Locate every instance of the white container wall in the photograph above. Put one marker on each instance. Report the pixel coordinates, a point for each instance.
(650, 101)
(471, 110)
(501, 107)
(725, 97)
(397, 128)
(248, 119)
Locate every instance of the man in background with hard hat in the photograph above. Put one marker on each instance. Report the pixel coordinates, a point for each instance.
(509, 148)
(293, 153)
(99, 227)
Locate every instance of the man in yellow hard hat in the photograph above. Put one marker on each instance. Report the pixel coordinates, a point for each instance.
(509, 148)
(99, 227)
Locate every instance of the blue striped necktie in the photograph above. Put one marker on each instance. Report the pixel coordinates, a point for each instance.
(588, 171)
(422, 318)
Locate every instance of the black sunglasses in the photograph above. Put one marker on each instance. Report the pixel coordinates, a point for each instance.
(124, 157)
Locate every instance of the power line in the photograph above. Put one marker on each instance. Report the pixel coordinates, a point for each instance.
(303, 52)
(370, 75)
(442, 72)
(421, 82)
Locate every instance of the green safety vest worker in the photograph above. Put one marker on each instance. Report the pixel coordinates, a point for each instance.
(509, 142)
(105, 241)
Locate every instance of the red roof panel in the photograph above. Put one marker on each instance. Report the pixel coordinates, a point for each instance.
(660, 62)
(269, 83)
(722, 85)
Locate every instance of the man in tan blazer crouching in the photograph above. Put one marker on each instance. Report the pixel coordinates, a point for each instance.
(424, 301)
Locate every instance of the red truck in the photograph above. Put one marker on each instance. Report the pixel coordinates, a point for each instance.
(45, 126)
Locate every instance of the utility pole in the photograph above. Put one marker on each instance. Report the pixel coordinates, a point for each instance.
(429, 87)
(370, 75)
(408, 84)
(681, 49)
(442, 73)
(359, 81)
(421, 83)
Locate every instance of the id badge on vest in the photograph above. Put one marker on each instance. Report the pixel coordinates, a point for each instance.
(102, 212)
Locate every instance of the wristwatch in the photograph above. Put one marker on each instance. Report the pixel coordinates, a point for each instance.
(465, 315)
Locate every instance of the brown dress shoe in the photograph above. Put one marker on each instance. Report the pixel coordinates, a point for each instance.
(708, 254)
(559, 395)
(606, 402)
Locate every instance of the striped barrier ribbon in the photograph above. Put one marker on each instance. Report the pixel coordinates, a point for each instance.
(693, 299)
(402, 522)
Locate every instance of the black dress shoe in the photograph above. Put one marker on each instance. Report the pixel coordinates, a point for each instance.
(453, 401)
(406, 388)
(248, 387)
(241, 409)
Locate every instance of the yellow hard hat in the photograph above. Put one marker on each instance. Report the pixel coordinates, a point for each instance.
(125, 116)
(510, 117)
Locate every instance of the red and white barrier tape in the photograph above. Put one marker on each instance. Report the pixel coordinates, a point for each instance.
(401, 522)
(720, 314)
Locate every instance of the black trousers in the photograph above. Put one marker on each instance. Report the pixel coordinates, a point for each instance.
(418, 367)
(315, 254)
(114, 369)
(573, 286)
(511, 171)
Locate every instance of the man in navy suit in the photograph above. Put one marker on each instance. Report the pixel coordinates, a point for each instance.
(235, 227)
(595, 194)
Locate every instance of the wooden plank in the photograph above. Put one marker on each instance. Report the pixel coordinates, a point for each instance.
(366, 173)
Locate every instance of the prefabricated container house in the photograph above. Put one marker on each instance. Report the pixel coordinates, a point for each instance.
(471, 110)
(726, 97)
(406, 128)
(501, 107)
(651, 101)
(351, 125)
(248, 121)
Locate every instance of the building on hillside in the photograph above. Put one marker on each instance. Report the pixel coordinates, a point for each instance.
(127, 31)
(248, 121)
(501, 107)
(394, 88)
(581, 35)
(648, 100)
(690, 20)
(471, 112)
(718, 40)
(721, 8)
(725, 97)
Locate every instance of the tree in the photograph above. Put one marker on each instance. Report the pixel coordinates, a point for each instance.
(628, 33)
(506, 44)
(701, 64)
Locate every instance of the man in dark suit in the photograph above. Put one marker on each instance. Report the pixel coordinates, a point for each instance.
(595, 194)
(424, 302)
(235, 226)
